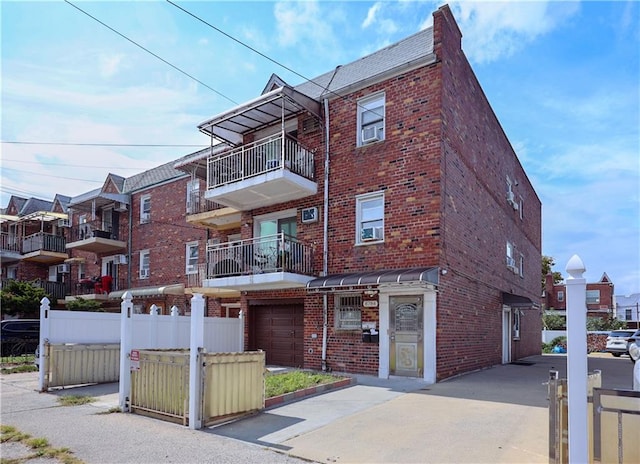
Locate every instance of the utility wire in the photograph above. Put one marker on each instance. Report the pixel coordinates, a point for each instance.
(151, 53)
(49, 175)
(82, 144)
(69, 165)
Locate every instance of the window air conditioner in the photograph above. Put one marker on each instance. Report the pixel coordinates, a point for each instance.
(64, 268)
(370, 134)
(371, 233)
(64, 223)
(121, 207)
(144, 273)
(511, 263)
(511, 199)
(145, 218)
(121, 259)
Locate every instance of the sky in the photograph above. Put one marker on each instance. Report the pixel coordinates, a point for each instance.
(563, 78)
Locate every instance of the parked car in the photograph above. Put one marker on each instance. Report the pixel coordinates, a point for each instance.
(634, 339)
(19, 336)
(617, 342)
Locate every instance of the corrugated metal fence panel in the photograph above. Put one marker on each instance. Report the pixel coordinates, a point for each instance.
(233, 384)
(617, 425)
(161, 385)
(223, 334)
(75, 364)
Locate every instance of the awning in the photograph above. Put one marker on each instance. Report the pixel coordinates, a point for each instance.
(427, 275)
(173, 289)
(259, 112)
(517, 301)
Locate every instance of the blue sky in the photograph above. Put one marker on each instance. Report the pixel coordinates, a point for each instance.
(562, 77)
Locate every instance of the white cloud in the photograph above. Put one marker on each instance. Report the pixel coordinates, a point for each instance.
(494, 29)
(371, 15)
(110, 64)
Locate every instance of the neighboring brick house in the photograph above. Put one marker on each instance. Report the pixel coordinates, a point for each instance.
(600, 299)
(375, 220)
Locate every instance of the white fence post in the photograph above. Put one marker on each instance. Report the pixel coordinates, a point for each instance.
(153, 327)
(577, 369)
(45, 333)
(196, 341)
(126, 333)
(241, 337)
(174, 327)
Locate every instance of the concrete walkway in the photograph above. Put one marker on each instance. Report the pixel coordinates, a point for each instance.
(498, 415)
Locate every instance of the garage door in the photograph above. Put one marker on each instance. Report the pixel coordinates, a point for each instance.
(279, 332)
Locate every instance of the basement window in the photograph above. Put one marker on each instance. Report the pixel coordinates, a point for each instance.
(348, 312)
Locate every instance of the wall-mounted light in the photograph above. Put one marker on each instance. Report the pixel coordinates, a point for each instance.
(443, 272)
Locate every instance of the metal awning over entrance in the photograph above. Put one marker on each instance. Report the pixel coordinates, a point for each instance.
(174, 289)
(517, 301)
(279, 104)
(428, 275)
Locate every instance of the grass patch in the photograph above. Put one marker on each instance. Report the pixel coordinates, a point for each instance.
(288, 382)
(40, 447)
(113, 410)
(75, 400)
(13, 360)
(18, 369)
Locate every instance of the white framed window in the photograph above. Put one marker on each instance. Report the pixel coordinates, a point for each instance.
(191, 258)
(145, 209)
(12, 272)
(81, 271)
(511, 256)
(370, 218)
(348, 312)
(521, 208)
(516, 324)
(145, 263)
(193, 196)
(371, 118)
(593, 296)
(560, 295)
(521, 265)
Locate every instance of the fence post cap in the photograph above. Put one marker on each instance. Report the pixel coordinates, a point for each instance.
(575, 267)
(127, 296)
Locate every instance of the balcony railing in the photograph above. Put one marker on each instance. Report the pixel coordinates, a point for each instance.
(43, 241)
(197, 203)
(273, 253)
(9, 242)
(260, 157)
(96, 229)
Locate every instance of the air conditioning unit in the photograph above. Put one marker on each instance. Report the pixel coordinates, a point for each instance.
(64, 223)
(64, 268)
(121, 259)
(511, 263)
(121, 207)
(145, 218)
(144, 273)
(371, 233)
(511, 199)
(370, 134)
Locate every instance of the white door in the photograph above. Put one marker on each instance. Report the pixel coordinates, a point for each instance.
(506, 334)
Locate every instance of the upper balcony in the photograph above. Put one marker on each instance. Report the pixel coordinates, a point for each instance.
(10, 247)
(203, 212)
(271, 262)
(97, 237)
(266, 172)
(42, 247)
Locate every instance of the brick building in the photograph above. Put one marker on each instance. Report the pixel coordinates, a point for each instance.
(600, 299)
(372, 220)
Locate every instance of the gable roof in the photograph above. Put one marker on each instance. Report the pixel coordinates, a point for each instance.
(151, 177)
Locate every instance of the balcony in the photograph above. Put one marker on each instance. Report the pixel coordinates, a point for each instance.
(195, 284)
(210, 214)
(10, 247)
(271, 262)
(42, 247)
(269, 171)
(91, 289)
(96, 237)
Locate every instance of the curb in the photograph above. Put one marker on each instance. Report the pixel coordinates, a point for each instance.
(281, 400)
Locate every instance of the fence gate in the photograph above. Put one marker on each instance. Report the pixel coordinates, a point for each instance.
(80, 363)
(613, 422)
(160, 384)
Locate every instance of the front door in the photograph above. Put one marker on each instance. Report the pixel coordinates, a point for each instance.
(406, 356)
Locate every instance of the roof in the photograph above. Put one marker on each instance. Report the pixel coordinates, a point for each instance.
(151, 177)
(381, 276)
(411, 51)
(198, 160)
(35, 204)
(632, 300)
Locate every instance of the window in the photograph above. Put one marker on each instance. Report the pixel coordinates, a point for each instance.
(560, 295)
(521, 265)
(192, 258)
(348, 312)
(81, 271)
(521, 208)
(371, 119)
(370, 218)
(12, 272)
(593, 296)
(144, 264)
(193, 196)
(511, 256)
(145, 209)
(627, 315)
(516, 324)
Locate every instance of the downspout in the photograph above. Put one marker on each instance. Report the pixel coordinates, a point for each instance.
(325, 242)
(129, 242)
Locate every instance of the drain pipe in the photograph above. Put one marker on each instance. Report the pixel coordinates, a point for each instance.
(325, 242)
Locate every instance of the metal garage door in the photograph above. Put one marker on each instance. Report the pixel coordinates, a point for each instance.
(278, 330)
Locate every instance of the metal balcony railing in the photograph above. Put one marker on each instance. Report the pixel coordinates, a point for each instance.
(269, 154)
(273, 253)
(9, 242)
(97, 229)
(42, 241)
(197, 203)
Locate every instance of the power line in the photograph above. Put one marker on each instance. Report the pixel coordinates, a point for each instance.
(151, 53)
(49, 175)
(69, 165)
(82, 144)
